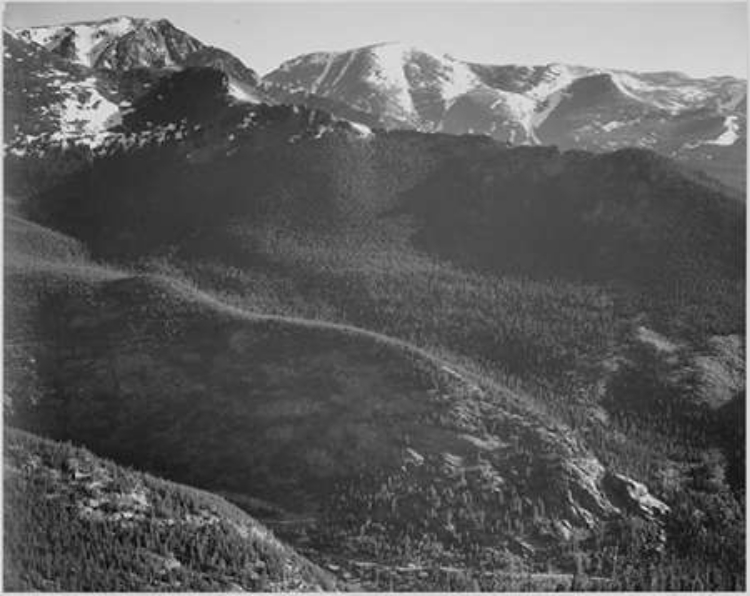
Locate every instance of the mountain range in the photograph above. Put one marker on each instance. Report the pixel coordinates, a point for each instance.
(126, 43)
(700, 122)
(363, 300)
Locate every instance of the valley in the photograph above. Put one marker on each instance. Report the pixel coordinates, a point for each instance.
(425, 361)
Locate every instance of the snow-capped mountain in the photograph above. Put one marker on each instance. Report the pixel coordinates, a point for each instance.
(73, 82)
(118, 43)
(53, 103)
(405, 86)
(121, 44)
(701, 121)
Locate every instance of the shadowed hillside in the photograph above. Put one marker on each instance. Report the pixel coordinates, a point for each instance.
(292, 412)
(401, 347)
(121, 530)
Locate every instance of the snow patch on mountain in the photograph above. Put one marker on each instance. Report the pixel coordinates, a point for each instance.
(548, 105)
(399, 74)
(240, 93)
(455, 78)
(361, 130)
(433, 91)
(627, 85)
(670, 91)
(64, 106)
(387, 72)
(85, 111)
(324, 73)
(731, 132)
(556, 78)
(88, 39)
(613, 125)
(516, 106)
(344, 69)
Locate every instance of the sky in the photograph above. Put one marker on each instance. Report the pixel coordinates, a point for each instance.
(701, 39)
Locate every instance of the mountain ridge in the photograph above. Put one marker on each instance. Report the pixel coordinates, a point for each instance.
(520, 104)
(445, 414)
(698, 121)
(123, 43)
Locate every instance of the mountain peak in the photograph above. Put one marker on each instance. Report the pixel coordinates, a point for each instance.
(115, 42)
(408, 48)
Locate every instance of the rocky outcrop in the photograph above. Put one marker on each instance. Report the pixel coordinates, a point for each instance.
(633, 497)
(720, 369)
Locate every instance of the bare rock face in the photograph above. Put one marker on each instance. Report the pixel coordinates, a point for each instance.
(708, 376)
(721, 370)
(633, 496)
(586, 499)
